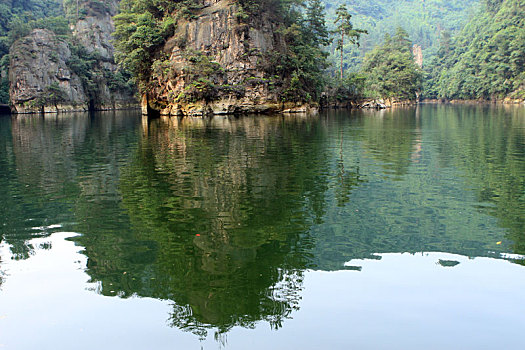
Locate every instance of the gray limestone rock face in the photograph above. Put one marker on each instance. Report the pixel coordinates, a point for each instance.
(40, 79)
(95, 31)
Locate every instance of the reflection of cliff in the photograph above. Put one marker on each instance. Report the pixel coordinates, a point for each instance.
(225, 213)
(221, 216)
(23, 211)
(219, 225)
(54, 166)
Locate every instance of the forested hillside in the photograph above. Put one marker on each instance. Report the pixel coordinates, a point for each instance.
(423, 20)
(486, 60)
(390, 70)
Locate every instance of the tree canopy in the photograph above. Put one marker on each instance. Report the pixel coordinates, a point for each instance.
(486, 60)
(390, 69)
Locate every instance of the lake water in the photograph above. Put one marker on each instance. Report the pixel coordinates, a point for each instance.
(397, 229)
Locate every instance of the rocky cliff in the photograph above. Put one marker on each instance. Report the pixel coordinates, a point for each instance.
(216, 63)
(40, 79)
(52, 74)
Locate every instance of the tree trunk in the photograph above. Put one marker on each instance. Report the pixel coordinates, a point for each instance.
(342, 46)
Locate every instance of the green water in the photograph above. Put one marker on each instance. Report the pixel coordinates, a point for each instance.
(368, 229)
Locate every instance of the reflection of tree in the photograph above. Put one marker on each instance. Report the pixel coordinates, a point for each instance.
(425, 206)
(220, 212)
(348, 178)
(488, 145)
(16, 229)
(389, 137)
(221, 216)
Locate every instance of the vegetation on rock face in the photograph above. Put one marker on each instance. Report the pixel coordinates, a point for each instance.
(315, 55)
(17, 18)
(143, 27)
(486, 60)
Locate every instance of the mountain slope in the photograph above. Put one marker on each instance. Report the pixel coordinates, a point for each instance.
(424, 20)
(486, 60)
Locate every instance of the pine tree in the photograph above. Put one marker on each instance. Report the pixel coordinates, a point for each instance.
(345, 28)
(315, 19)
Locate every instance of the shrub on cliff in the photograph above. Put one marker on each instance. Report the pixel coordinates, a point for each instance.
(141, 28)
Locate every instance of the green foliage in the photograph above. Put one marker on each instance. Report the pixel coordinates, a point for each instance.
(143, 27)
(4, 90)
(390, 69)
(17, 15)
(4, 80)
(84, 64)
(299, 71)
(344, 28)
(119, 81)
(486, 60)
(341, 92)
(303, 65)
(140, 29)
(316, 23)
(52, 94)
(78, 9)
(424, 20)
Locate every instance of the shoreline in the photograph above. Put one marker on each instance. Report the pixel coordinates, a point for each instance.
(506, 101)
(298, 109)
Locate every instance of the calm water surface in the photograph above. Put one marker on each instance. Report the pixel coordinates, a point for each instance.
(401, 229)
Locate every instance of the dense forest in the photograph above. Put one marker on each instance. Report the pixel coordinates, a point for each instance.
(486, 60)
(336, 50)
(423, 20)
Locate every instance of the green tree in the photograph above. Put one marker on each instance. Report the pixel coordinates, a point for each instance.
(345, 28)
(316, 23)
(486, 60)
(140, 29)
(390, 69)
